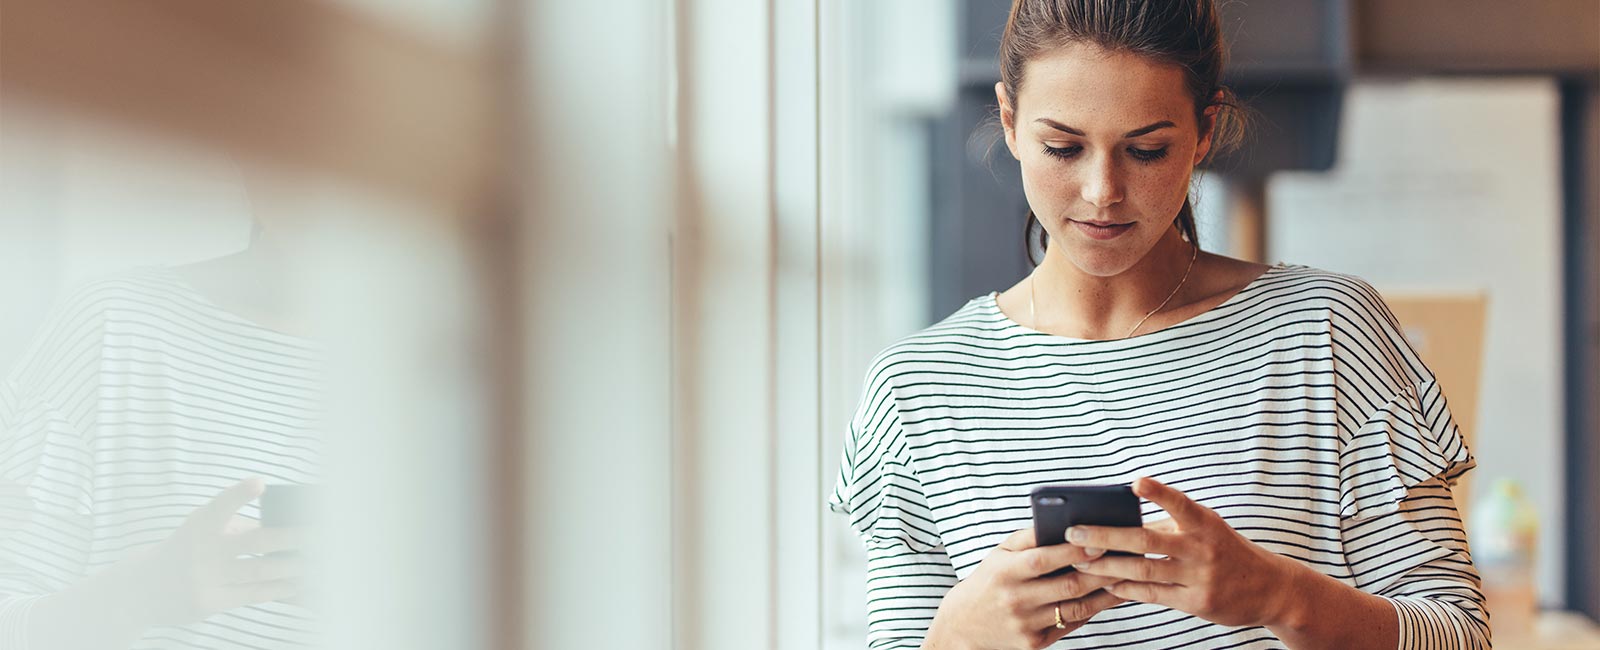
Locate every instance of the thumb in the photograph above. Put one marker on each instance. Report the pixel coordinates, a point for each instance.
(1021, 540)
(214, 516)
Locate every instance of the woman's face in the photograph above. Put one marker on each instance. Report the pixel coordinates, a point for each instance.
(1107, 143)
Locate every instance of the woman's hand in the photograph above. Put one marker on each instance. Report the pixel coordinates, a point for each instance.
(214, 562)
(1008, 602)
(1210, 570)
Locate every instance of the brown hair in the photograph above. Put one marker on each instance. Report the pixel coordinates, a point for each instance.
(1185, 33)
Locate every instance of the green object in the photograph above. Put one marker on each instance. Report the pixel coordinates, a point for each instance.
(1504, 532)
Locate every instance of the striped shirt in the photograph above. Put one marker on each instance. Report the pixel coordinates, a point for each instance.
(1295, 409)
(139, 402)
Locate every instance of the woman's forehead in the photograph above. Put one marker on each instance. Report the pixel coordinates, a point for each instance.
(1102, 92)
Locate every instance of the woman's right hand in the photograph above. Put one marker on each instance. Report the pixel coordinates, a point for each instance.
(216, 561)
(1009, 603)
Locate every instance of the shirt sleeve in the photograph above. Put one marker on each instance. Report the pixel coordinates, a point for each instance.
(1417, 559)
(47, 409)
(1400, 453)
(908, 569)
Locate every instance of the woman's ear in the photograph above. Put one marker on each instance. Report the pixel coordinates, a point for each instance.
(1208, 127)
(1008, 119)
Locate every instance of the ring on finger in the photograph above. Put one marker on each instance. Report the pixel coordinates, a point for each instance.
(1060, 625)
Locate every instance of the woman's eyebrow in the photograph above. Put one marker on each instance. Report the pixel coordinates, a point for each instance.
(1131, 134)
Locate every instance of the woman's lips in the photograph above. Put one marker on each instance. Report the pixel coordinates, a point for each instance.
(1101, 232)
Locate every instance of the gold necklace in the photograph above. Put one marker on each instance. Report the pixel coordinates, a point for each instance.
(1194, 254)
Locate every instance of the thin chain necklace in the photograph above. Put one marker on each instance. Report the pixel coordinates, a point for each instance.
(1195, 253)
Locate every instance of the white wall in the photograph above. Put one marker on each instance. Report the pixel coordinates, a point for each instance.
(1454, 184)
(885, 67)
(598, 320)
(673, 326)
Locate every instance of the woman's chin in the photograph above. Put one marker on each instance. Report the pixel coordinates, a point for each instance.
(1101, 263)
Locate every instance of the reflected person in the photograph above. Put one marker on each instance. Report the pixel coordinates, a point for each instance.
(136, 434)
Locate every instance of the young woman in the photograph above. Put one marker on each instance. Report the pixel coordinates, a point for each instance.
(1294, 456)
(136, 434)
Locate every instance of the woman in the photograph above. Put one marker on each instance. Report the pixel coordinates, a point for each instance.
(136, 434)
(1294, 456)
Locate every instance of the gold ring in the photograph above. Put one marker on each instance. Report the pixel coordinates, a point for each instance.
(1059, 625)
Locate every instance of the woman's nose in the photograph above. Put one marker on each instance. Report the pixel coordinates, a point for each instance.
(1101, 187)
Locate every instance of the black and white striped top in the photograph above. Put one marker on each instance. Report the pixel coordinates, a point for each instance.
(139, 402)
(1295, 409)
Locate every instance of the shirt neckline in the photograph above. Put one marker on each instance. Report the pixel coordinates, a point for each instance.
(176, 278)
(990, 302)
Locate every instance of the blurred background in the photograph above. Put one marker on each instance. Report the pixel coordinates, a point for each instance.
(575, 299)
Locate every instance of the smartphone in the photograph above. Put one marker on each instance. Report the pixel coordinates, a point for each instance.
(287, 505)
(1057, 507)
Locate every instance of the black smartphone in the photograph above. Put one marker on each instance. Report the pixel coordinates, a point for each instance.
(1057, 507)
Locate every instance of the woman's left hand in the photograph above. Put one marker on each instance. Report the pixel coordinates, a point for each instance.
(1210, 570)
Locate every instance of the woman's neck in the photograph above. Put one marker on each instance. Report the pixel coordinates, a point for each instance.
(1070, 302)
(254, 283)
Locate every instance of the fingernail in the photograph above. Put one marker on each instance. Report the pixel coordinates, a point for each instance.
(1094, 552)
(1074, 535)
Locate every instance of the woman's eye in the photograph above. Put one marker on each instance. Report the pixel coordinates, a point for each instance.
(1062, 152)
(1147, 155)
(1142, 155)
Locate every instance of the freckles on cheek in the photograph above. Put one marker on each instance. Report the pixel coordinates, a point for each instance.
(1042, 189)
(1050, 179)
(1168, 185)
